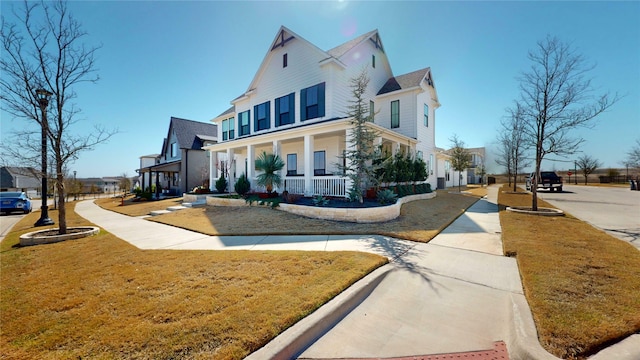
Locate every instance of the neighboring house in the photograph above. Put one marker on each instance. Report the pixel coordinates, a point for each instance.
(182, 164)
(477, 159)
(296, 107)
(25, 179)
(146, 178)
(447, 177)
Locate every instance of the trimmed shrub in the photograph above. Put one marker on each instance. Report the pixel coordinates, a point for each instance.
(386, 196)
(221, 184)
(243, 185)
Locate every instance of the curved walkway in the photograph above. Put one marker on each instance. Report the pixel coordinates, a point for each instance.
(456, 294)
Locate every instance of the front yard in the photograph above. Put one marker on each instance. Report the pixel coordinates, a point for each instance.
(102, 298)
(583, 285)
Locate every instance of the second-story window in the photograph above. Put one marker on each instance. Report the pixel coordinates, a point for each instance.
(426, 115)
(262, 120)
(228, 129)
(395, 114)
(373, 61)
(284, 60)
(243, 119)
(312, 102)
(174, 150)
(371, 110)
(285, 109)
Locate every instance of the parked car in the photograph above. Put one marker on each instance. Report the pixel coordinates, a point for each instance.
(14, 201)
(547, 180)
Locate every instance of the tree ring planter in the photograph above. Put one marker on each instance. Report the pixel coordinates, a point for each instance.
(50, 236)
(540, 212)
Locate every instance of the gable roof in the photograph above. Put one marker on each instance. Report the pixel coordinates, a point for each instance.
(28, 177)
(406, 81)
(285, 35)
(190, 133)
(340, 50)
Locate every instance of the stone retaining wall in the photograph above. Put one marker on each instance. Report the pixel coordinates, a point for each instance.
(358, 215)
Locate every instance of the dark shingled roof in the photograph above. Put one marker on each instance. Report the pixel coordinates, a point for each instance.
(405, 81)
(187, 132)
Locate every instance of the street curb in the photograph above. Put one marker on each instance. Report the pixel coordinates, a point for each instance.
(523, 342)
(293, 341)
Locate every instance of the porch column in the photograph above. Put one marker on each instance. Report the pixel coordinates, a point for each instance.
(231, 165)
(213, 169)
(251, 167)
(308, 165)
(349, 146)
(276, 151)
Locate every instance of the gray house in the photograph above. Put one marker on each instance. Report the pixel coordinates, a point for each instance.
(25, 179)
(182, 165)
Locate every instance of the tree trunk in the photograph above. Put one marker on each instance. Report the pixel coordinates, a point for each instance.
(62, 209)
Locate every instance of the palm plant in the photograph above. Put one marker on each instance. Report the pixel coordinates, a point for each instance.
(269, 164)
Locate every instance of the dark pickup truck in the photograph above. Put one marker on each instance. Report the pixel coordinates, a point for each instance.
(547, 180)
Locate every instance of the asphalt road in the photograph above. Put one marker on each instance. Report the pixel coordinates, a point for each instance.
(612, 209)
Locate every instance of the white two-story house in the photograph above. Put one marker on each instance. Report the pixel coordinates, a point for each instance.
(296, 107)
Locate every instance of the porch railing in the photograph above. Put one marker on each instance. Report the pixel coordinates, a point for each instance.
(322, 185)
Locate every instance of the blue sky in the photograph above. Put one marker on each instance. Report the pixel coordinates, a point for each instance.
(189, 59)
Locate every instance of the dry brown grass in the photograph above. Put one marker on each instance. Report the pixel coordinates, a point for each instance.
(582, 284)
(132, 208)
(418, 221)
(101, 298)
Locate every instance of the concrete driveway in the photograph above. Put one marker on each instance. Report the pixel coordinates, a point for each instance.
(612, 209)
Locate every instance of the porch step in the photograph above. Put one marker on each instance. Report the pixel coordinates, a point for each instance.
(176, 208)
(195, 203)
(159, 212)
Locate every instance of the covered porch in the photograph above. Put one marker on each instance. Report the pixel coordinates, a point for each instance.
(313, 157)
(165, 178)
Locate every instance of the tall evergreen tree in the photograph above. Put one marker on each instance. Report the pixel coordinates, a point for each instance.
(361, 152)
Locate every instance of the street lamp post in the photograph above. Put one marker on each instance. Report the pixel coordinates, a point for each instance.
(43, 100)
(575, 169)
(75, 186)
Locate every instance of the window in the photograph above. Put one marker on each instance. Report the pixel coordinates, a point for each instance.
(319, 163)
(426, 115)
(373, 61)
(284, 60)
(292, 164)
(371, 110)
(395, 114)
(228, 129)
(447, 168)
(312, 102)
(285, 109)
(243, 118)
(430, 164)
(174, 150)
(261, 117)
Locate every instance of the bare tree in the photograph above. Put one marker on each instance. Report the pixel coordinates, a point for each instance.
(460, 157)
(46, 51)
(633, 156)
(556, 97)
(512, 145)
(125, 184)
(587, 165)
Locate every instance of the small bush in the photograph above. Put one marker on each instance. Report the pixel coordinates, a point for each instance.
(221, 184)
(290, 198)
(386, 196)
(243, 185)
(320, 200)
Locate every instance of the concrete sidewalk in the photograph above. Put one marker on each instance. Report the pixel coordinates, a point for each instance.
(454, 294)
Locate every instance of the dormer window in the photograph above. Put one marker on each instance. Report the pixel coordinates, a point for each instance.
(284, 60)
